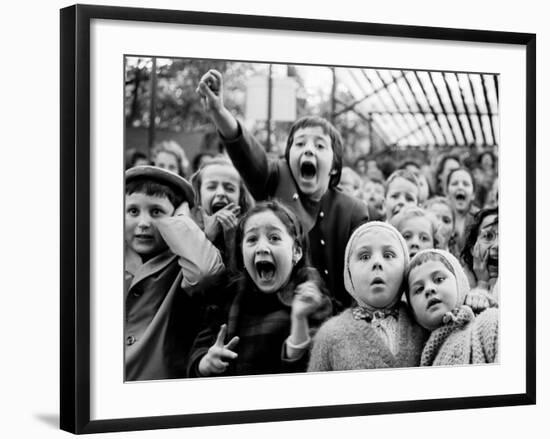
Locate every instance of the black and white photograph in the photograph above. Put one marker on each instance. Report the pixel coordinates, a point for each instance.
(273, 218)
(299, 218)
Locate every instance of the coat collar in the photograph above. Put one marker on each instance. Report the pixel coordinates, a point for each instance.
(140, 270)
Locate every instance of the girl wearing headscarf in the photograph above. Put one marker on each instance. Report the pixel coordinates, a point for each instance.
(437, 290)
(378, 331)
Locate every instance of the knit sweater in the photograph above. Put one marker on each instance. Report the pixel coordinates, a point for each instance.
(467, 339)
(345, 343)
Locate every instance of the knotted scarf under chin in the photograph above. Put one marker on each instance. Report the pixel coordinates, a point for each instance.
(452, 321)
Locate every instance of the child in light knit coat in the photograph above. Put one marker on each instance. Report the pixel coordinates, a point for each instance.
(379, 331)
(437, 292)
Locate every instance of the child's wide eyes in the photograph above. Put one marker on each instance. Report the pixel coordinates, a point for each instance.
(251, 239)
(133, 211)
(157, 212)
(364, 256)
(439, 279)
(488, 235)
(446, 220)
(389, 255)
(425, 238)
(274, 238)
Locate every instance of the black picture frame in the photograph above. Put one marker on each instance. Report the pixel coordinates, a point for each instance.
(75, 217)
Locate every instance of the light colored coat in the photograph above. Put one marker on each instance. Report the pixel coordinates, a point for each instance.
(344, 343)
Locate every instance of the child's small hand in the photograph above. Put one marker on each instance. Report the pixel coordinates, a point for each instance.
(210, 89)
(217, 359)
(480, 263)
(479, 299)
(228, 217)
(307, 300)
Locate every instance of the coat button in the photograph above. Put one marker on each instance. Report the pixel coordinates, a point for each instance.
(322, 242)
(130, 340)
(295, 197)
(326, 272)
(322, 214)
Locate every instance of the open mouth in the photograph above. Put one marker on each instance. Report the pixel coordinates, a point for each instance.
(396, 210)
(308, 170)
(492, 264)
(219, 205)
(265, 270)
(377, 281)
(460, 197)
(412, 253)
(433, 301)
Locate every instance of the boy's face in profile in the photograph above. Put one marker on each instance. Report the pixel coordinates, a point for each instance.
(432, 292)
(310, 160)
(140, 230)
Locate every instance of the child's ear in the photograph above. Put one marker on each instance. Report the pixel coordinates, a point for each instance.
(296, 254)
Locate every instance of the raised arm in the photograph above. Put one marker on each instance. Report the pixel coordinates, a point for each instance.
(210, 90)
(198, 257)
(246, 153)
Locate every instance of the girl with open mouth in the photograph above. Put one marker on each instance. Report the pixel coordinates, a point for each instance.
(220, 198)
(461, 195)
(259, 319)
(481, 257)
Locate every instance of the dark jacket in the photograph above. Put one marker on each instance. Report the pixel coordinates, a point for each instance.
(161, 322)
(330, 221)
(260, 320)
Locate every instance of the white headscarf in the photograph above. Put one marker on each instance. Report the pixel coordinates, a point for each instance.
(462, 284)
(360, 231)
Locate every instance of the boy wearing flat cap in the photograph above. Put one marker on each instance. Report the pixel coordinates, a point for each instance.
(165, 252)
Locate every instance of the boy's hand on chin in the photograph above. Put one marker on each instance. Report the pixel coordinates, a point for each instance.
(480, 264)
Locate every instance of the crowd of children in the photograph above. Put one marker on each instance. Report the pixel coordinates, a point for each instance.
(265, 265)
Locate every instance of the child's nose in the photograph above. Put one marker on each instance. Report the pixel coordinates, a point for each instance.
(144, 221)
(262, 246)
(429, 289)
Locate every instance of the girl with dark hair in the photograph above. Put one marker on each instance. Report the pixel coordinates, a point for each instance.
(461, 195)
(480, 254)
(260, 317)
